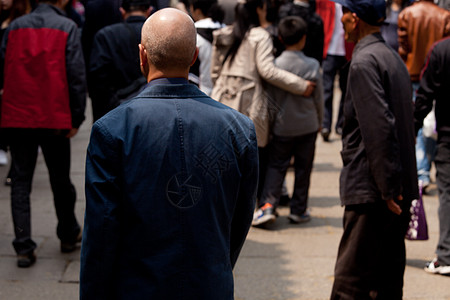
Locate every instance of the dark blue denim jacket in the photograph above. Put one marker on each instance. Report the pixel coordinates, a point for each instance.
(170, 190)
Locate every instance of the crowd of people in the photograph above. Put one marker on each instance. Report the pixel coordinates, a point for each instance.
(161, 83)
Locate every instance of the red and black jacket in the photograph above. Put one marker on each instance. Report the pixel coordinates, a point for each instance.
(44, 72)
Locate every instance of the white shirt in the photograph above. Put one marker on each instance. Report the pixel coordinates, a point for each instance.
(337, 43)
(204, 55)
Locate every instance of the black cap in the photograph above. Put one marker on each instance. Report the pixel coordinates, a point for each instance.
(372, 12)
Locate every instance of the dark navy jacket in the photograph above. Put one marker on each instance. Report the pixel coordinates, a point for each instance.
(171, 177)
(114, 63)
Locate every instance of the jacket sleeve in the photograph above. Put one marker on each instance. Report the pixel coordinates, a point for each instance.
(3, 44)
(430, 83)
(217, 57)
(204, 54)
(76, 77)
(378, 128)
(243, 212)
(272, 74)
(318, 97)
(402, 32)
(100, 72)
(101, 225)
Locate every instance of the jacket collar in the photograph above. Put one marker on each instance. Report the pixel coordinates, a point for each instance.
(48, 8)
(135, 19)
(368, 40)
(171, 88)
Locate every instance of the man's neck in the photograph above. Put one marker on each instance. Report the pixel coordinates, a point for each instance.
(367, 30)
(295, 47)
(155, 74)
(135, 14)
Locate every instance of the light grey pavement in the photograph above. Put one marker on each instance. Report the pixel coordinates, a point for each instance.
(288, 262)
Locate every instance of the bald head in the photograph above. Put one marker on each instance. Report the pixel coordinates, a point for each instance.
(169, 38)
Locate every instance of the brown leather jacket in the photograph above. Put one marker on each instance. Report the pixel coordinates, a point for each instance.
(419, 26)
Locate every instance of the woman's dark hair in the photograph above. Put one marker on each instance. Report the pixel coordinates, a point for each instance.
(245, 18)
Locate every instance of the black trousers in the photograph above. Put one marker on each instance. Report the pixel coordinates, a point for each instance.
(442, 163)
(281, 150)
(333, 65)
(371, 259)
(56, 150)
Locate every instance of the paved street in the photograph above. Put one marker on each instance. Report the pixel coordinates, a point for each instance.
(288, 262)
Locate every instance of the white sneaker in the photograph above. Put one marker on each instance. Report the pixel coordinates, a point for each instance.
(435, 268)
(3, 158)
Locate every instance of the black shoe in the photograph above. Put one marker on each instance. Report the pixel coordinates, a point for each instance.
(67, 247)
(325, 132)
(297, 219)
(26, 260)
(339, 130)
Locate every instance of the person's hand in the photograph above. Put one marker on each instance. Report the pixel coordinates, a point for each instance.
(309, 88)
(394, 207)
(72, 133)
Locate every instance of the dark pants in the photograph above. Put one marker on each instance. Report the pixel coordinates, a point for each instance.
(333, 65)
(263, 159)
(56, 150)
(442, 163)
(371, 258)
(281, 150)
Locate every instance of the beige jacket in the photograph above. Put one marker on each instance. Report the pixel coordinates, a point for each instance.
(241, 85)
(419, 27)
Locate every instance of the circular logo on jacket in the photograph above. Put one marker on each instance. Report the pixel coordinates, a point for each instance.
(184, 191)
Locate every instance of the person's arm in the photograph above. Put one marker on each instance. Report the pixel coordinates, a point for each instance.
(102, 224)
(430, 83)
(274, 75)
(101, 72)
(402, 33)
(76, 77)
(378, 128)
(3, 44)
(245, 205)
(204, 54)
(217, 57)
(318, 98)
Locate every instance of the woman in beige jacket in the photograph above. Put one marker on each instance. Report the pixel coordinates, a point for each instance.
(243, 62)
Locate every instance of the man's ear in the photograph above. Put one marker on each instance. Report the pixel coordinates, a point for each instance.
(122, 12)
(143, 59)
(195, 56)
(149, 11)
(356, 19)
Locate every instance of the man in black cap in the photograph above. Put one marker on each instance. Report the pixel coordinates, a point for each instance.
(379, 179)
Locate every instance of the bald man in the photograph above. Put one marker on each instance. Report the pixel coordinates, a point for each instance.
(170, 182)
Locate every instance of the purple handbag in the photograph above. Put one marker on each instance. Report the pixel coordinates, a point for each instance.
(418, 228)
